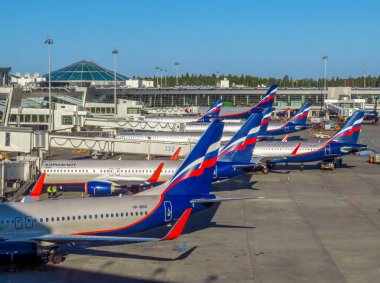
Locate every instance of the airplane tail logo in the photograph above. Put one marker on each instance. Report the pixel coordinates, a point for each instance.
(265, 119)
(269, 97)
(240, 147)
(349, 133)
(212, 112)
(301, 115)
(194, 176)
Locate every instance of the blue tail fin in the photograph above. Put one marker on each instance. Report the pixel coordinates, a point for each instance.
(265, 120)
(301, 115)
(269, 97)
(349, 133)
(212, 112)
(194, 176)
(240, 148)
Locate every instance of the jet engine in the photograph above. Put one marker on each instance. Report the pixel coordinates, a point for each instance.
(100, 188)
(19, 252)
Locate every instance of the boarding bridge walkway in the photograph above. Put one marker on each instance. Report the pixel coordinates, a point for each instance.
(114, 145)
(172, 111)
(134, 125)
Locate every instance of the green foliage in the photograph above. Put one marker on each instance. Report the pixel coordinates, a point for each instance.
(252, 81)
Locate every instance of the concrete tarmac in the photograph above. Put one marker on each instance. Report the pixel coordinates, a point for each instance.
(311, 226)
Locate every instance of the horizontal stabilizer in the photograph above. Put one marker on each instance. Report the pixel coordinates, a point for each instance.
(205, 200)
(352, 149)
(244, 166)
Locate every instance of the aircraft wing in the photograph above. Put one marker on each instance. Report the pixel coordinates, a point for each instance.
(128, 181)
(174, 233)
(257, 159)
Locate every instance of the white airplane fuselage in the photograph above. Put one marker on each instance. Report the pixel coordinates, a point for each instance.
(74, 215)
(82, 171)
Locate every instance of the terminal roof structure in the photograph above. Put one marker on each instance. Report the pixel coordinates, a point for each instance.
(84, 71)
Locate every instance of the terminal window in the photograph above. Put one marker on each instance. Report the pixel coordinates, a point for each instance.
(67, 120)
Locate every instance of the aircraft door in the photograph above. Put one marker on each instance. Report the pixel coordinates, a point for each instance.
(327, 150)
(18, 222)
(28, 222)
(287, 128)
(168, 210)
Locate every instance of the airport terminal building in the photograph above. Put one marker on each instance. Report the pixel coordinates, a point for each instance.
(89, 86)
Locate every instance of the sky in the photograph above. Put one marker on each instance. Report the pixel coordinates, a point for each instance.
(266, 38)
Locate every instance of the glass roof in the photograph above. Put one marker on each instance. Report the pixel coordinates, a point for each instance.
(85, 71)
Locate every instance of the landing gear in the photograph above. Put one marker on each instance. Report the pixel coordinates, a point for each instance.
(265, 170)
(55, 257)
(135, 189)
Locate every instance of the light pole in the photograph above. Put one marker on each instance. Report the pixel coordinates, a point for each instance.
(177, 66)
(324, 58)
(364, 76)
(49, 42)
(165, 76)
(161, 71)
(157, 68)
(115, 52)
(217, 78)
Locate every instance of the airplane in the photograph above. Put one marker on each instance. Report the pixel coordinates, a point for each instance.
(342, 143)
(265, 102)
(106, 177)
(295, 124)
(32, 229)
(269, 129)
(212, 112)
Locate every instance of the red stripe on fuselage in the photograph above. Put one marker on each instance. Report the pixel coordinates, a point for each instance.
(197, 172)
(241, 146)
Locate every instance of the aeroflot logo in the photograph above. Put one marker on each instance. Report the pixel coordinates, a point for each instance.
(60, 165)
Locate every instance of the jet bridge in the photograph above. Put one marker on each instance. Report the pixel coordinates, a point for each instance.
(114, 145)
(25, 140)
(112, 123)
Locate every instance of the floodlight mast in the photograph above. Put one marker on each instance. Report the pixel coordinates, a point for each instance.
(49, 42)
(115, 52)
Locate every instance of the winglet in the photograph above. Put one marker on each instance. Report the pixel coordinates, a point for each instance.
(177, 229)
(294, 152)
(176, 154)
(37, 189)
(285, 139)
(156, 174)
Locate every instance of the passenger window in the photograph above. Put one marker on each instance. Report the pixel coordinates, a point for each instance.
(96, 216)
(57, 218)
(121, 214)
(47, 219)
(146, 212)
(101, 215)
(141, 213)
(84, 217)
(63, 218)
(68, 218)
(117, 214)
(52, 219)
(90, 216)
(126, 214)
(106, 215)
(73, 217)
(136, 213)
(78, 217)
(111, 214)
